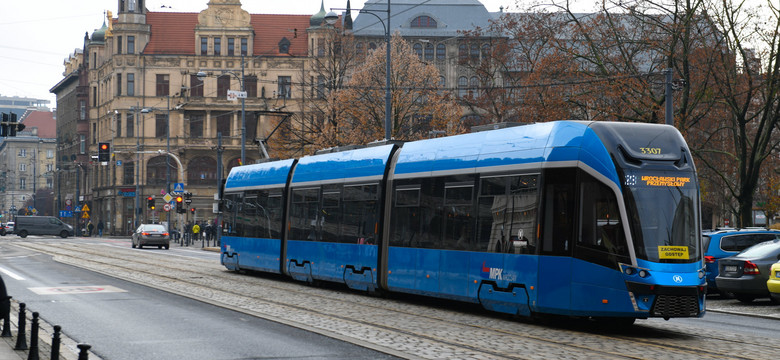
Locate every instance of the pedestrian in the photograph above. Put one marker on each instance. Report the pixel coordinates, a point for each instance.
(195, 231)
(100, 228)
(90, 227)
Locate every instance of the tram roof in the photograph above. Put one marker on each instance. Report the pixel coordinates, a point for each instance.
(365, 164)
(269, 174)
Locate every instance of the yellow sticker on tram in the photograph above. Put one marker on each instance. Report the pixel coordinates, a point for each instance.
(673, 252)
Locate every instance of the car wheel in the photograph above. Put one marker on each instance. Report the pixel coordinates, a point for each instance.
(159, 246)
(774, 298)
(167, 246)
(745, 298)
(23, 233)
(132, 243)
(64, 234)
(140, 246)
(2, 232)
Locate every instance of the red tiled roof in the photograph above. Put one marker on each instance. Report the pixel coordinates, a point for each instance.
(174, 33)
(44, 121)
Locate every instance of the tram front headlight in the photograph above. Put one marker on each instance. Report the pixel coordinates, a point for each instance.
(630, 271)
(701, 274)
(643, 273)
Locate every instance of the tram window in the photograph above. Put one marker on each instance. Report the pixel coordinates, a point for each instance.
(361, 214)
(559, 213)
(407, 197)
(229, 213)
(507, 214)
(303, 214)
(416, 220)
(601, 228)
(458, 227)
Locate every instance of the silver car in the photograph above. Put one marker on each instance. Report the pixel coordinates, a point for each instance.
(151, 234)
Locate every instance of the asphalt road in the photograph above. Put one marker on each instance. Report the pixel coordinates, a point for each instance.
(124, 320)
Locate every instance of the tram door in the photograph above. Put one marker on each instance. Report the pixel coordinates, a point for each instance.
(558, 224)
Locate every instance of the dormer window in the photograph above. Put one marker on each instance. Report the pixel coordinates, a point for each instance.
(423, 22)
(284, 46)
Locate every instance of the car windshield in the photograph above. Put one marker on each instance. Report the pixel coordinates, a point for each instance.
(664, 210)
(760, 250)
(153, 228)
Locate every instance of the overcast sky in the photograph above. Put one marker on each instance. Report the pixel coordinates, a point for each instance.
(38, 35)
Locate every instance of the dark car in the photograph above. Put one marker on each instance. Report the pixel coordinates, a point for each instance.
(151, 234)
(745, 274)
(729, 242)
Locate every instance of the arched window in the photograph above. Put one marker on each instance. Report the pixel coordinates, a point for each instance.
(462, 86)
(423, 22)
(418, 50)
(474, 52)
(202, 171)
(441, 52)
(473, 86)
(372, 46)
(463, 51)
(428, 51)
(157, 171)
(360, 51)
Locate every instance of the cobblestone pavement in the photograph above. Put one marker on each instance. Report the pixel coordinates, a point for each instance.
(429, 329)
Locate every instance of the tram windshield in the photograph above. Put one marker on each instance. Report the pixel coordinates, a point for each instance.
(664, 212)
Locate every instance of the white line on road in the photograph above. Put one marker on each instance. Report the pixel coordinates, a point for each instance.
(11, 274)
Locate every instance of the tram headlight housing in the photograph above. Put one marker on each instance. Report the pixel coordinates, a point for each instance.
(701, 274)
(643, 273)
(630, 271)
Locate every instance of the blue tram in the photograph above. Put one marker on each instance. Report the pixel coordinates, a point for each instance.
(585, 219)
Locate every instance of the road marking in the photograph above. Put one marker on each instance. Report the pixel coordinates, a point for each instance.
(11, 274)
(86, 289)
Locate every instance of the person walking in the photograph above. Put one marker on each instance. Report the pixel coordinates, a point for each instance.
(100, 228)
(195, 231)
(90, 227)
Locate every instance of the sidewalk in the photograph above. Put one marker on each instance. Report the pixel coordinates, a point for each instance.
(68, 349)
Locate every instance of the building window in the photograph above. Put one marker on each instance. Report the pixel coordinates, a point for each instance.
(128, 175)
(82, 110)
(204, 46)
(196, 125)
(231, 46)
(441, 51)
(22, 167)
(118, 44)
(485, 51)
(196, 86)
(223, 123)
(22, 184)
(82, 144)
(284, 90)
(130, 125)
(474, 86)
(418, 50)
(49, 182)
(428, 51)
(22, 152)
(118, 126)
(94, 97)
(49, 154)
(463, 51)
(130, 84)
(244, 49)
(250, 86)
(49, 167)
(360, 50)
(163, 84)
(160, 125)
(463, 84)
(423, 22)
(131, 44)
(218, 46)
(223, 85)
(118, 84)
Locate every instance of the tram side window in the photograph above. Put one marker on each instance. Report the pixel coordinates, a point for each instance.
(458, 208)
(231, 204)
(331, 213)
(405, 221)
(559, 212)
(601, 239)
(507, 214)
(361, 214)
(303, 214)
(261, 214)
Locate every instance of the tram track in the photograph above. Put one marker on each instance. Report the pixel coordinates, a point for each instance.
(400, 328)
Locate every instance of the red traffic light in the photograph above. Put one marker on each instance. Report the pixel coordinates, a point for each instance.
(103, 146)
(149, 198)
(178, 199)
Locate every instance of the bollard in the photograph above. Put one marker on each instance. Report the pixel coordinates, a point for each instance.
(7, 319)
(55, 343)
(33, 353)
(83, 351)
(21, 334)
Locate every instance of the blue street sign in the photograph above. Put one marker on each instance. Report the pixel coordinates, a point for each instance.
(65, 213)
(178, 187)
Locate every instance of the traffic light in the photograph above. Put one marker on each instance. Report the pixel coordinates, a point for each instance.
(12, 124)
(192, 210)
(104, 152)
(150, 202)
(179, 205)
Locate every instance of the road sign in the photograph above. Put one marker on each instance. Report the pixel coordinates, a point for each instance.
(167, 207)
(85, 215)
(188, 201)
(235, 95)
(178, 187)
(66, 213)
(68, 202)
(85, 208)
(167, 198)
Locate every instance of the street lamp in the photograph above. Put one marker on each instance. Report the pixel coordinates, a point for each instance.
(137, 164)
(331, 19)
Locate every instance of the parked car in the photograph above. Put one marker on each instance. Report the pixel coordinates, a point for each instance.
(2, 229)
(151, 234)
(746, 274)
(728, 242)
(8, 228)
(41, 225)
(773, 284)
